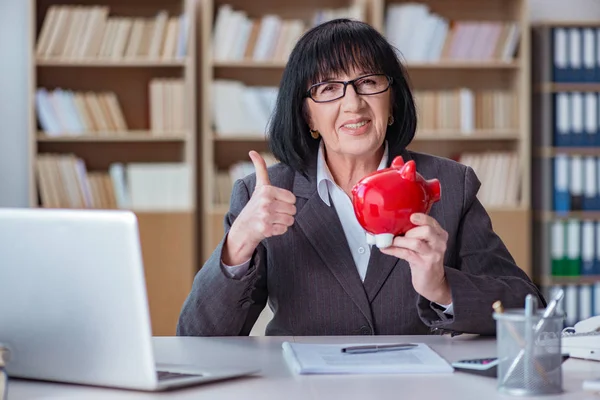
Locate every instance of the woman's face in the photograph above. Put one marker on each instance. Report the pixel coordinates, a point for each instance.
(354, 125)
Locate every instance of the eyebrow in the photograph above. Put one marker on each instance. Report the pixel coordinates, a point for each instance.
(361, 74)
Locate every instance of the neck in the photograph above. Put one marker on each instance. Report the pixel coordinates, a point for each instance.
(348, 170)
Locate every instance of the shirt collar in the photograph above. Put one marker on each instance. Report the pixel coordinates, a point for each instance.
(324, 174)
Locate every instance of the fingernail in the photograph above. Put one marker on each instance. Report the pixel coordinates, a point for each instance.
(416, 218)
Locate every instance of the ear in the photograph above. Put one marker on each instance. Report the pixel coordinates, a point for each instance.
(307, 117)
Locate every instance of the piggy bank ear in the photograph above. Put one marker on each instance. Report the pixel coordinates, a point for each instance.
(398, 162)
(409, 171)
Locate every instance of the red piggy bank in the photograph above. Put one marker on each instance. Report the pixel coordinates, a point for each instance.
(384, 200)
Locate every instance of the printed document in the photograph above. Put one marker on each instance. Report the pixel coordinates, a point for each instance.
(306, 358)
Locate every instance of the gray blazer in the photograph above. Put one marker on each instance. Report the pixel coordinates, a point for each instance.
(312, 285)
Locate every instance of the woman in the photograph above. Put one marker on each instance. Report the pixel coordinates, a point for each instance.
(345, 110)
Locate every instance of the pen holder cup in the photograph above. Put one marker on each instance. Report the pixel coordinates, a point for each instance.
(529, 353)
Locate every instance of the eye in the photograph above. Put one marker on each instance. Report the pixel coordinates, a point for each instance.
(327, 88)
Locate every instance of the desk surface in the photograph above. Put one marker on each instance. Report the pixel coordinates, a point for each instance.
(276, 381)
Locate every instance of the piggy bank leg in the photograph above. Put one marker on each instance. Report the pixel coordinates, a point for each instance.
(370, 238)
(384, 240)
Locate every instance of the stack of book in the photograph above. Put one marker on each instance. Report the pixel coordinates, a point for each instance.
(72, 32)
(500, 176)
(65, 182)
(423, 36)
(64, 112)
(466, 110)
(167, 105)
(269, 38)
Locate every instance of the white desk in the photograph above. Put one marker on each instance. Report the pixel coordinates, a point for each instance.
(277, 382)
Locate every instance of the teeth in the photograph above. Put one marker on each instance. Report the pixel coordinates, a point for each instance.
(355, 126)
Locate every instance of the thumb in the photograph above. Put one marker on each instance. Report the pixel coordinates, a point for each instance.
(262, 176)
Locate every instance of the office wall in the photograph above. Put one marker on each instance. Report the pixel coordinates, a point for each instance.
(14, 84)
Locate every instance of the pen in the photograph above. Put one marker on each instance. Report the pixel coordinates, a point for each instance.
(376, 348)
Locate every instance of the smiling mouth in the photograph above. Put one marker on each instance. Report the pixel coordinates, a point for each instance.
(355, 126)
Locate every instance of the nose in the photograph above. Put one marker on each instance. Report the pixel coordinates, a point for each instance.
(351, 101)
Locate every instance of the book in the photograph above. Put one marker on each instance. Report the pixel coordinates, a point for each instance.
(308, 358)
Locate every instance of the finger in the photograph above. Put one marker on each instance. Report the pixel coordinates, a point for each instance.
(416, 245)
(284, 195)
(426, 232)
(282, 219)
(278, 229)
(405, 254)
(283, 208)
(260, 166)
(424, 219)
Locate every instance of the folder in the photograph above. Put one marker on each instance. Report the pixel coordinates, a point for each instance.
(558, 248)
(597, 253)
(577, 138)
(575, 48)
(591, 119)
(560, 55)
(562, 197)
(573, 265)
(588, 247)
(590, 190)
(589, 54)
(576, 182)
(562, 119)
(585, 302)
(571, 304)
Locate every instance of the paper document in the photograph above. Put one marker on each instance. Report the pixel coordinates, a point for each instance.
(306, 358)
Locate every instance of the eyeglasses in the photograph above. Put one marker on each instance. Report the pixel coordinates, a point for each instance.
(324, 92)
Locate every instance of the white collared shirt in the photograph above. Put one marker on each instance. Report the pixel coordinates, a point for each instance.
(354, 232)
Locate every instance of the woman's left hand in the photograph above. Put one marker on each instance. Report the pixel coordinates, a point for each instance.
(423, 247)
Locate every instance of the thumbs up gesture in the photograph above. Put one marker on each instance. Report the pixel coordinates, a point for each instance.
(269, 212)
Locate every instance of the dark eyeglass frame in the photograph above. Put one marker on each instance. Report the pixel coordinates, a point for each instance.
(346, 83)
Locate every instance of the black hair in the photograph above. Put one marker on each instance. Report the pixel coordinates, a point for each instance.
(332, 48)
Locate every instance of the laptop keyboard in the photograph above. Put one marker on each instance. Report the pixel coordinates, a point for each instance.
(164, 375)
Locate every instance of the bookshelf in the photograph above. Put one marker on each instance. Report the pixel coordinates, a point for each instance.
(114, 123)
(442, 136)
(566, 86)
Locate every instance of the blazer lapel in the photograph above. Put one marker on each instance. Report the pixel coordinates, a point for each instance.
(321, 226)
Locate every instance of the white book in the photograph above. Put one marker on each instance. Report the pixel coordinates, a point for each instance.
(220, 31)
(267, 37)
(308, 358)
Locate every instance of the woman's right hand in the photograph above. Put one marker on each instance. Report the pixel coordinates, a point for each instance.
(269, 212)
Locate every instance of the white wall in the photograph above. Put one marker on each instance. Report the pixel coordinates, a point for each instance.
(561, 10)
(14, 84)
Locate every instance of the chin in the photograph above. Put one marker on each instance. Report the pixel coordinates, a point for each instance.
(360, 145)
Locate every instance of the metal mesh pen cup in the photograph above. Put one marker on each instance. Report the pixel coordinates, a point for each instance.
(529, 353)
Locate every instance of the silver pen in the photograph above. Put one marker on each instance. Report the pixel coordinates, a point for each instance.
(376, 348)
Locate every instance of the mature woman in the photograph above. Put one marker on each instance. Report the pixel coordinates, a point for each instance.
(345, 110)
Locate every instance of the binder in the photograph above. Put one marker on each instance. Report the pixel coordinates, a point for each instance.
(576, 182)
(591, 119)
(588, 247)
(573, 266)
(562, 119)
(562, 197)
(589, 54)
(590, 190)
(585, 302)
(575, 47)
(558, 248)
(597, 64)
(597, 253)
(577, 138)
(571, 304)
(560, 55)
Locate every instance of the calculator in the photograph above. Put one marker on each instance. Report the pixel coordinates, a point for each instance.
(479, 366)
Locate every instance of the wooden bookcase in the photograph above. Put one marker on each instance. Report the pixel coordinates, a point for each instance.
(168, 236)
(513, 223)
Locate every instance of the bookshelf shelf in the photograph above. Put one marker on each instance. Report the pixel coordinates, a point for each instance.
(568, 87)
(471, 65)
(129, 136)
(550, 152)
(96, 63)
(478, 135)
(571, 280)
(549, 216)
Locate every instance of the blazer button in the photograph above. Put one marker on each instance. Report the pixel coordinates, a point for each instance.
(365, 330)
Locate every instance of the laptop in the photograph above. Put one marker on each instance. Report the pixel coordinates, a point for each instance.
(73, 302)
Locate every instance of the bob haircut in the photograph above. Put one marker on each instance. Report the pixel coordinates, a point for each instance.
(333, 48)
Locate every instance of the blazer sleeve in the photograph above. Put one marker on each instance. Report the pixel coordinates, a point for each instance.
(484, 272)
(219, 304)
